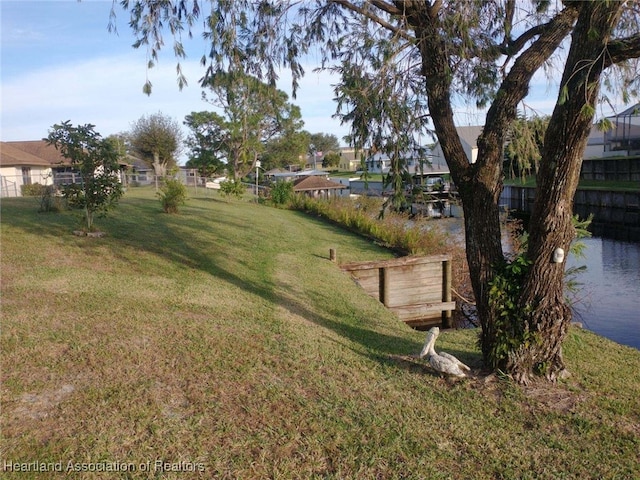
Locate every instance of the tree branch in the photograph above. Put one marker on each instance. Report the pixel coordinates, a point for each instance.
(622, 50)
(516, 84)
(375, 18)
(386, 7)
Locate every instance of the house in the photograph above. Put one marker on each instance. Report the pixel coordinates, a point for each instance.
(624, 137)
(316, 186)
(141, 172)
(416, 162)
(595, 143)
(469, 139)
(26, 163)
(34, 161)
(349, 162)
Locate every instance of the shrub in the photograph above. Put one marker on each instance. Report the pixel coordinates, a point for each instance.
(282, 193)
(232, 187)
(172, 194)
(32, 190)
(49, 199)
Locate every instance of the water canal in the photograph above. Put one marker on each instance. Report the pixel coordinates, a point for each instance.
(609, 297)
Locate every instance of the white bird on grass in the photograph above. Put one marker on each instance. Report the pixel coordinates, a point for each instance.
(442, 362)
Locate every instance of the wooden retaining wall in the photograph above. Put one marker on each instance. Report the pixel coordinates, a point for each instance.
(417, 289)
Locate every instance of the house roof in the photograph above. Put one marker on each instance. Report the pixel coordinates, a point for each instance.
(42, 150)
(11, 156)
(315, 183)
(304, 173)
(633, 111)
(470, 134)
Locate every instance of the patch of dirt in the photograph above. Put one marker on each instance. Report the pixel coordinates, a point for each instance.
(37, 406)
(553, 397)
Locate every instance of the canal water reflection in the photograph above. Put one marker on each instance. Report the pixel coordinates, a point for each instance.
(609, 296)
(608, 300)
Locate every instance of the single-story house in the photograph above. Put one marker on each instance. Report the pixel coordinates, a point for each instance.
(34, 161)
(26, 163)
(316, 186)
(469, 138)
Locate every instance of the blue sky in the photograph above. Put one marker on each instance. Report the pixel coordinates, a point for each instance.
(59, 62)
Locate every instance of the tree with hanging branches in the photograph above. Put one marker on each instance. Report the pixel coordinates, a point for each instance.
(415, 59)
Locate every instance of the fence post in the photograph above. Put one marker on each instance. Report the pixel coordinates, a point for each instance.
(385, 294)
(446, 292)
(332, 254)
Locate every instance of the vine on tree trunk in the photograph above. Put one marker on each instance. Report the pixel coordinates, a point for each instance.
(510, 331)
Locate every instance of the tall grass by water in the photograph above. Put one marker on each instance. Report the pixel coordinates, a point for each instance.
(222, 342)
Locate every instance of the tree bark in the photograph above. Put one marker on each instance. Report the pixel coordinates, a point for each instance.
(480, 184)
(548, 314)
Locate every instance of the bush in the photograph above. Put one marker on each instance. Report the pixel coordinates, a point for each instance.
(172, 194)
(49, 199)
(32, 190)
(232, 187)
(282, 193)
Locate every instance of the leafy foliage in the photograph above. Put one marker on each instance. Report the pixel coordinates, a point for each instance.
(509, 326)
(323, 143)
(204, 143)
(232, 188)
(524, 148)
(97, 161)
(253, 114)
(45, 194)
(331, 160)
(282, 192)
(157, 139)
(172, 194)
(288, 148)
(413, 60)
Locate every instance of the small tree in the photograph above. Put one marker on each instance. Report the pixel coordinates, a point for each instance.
(232, 187)
(331, 159)
(97, 161)
(253, 113)
(172, 194)
(282, 192)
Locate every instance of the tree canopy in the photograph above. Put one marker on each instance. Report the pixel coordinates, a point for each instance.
(204, 142)
(415, 59)
(157, 139)
(254, 113)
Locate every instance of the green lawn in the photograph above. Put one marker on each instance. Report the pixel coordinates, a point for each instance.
(223, 340)
(609, 185)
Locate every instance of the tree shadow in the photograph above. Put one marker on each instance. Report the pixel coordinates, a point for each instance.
(141, 226)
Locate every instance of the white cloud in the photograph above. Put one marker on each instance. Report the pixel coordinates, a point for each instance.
(107, 92)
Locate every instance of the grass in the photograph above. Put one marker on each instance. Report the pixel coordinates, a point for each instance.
(608, 185)
(224, 340)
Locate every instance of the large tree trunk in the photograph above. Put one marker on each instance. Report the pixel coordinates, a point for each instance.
(480, 184)
(548, 315)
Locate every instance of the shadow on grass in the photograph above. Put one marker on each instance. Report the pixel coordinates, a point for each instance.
(202, 238)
